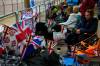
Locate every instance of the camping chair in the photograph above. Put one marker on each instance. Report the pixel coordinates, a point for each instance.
(89, 61)
(95, 61)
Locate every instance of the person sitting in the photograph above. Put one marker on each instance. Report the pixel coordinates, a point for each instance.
(53, 59)
(98, 5)
(73, 18)
(68, 10)
(64, 16)
(84, 29)
(88, 24)
(54, 11)
(41, 29)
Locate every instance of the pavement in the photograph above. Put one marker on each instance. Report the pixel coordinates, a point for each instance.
(9, 20)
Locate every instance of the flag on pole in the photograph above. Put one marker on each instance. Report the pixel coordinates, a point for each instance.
(50, 49)
(1, 50)
(5, 31)
(26, 46)
(51, 45)
(28, 51)
(8, 37)
(22, 35)
(38, 42)
(22, 30)
(62, 28)
(49, 22)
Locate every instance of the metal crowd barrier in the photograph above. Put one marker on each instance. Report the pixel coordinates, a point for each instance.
(40, 9)
(10, 6)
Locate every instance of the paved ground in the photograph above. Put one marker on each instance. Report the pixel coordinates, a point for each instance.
(8, 20)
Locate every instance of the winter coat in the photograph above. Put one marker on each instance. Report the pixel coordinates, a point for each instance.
(88, 27)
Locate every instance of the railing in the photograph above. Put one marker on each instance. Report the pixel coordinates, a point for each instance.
(10, 6)
(15, 6)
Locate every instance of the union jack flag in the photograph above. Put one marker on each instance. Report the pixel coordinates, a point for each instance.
(51, 45)
(22, 30)
(38, 42)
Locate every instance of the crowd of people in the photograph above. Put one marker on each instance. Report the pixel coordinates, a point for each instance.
(71, 23)
(79, 21)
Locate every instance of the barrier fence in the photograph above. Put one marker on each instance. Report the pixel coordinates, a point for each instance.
(11, 7)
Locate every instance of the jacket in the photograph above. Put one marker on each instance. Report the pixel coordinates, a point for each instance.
(87, 27)
(72, 20)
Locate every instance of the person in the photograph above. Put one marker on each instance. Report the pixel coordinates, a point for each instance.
(73, 18)
(86, 4)
(54, 59)
(84, 29)
(68, 10)
(88, 23)
(54, 11)
(98, 5)
(27, 14)
(41, 29)
(64, 16)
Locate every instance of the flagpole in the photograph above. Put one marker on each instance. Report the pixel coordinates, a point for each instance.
(26, 46)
